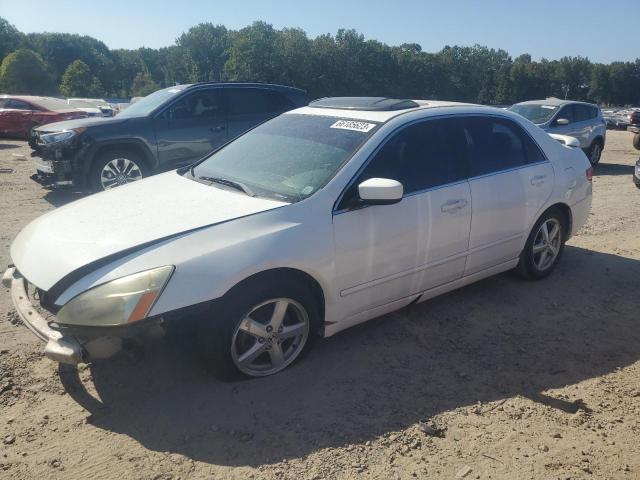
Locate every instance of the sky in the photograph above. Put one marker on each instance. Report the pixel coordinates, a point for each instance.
(601, 30)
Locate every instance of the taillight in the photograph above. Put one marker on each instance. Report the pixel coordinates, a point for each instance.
(589, 174)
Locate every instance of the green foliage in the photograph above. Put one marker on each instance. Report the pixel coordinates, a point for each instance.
(78, 81)
(342, 64)
(206, 47)
(10, 38)
(24, 71)
(143, 85)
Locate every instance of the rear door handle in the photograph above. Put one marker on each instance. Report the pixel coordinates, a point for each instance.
(451, 206)
(538, 180)
(217, 128)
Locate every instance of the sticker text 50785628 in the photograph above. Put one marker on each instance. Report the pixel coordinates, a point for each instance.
(353, 125)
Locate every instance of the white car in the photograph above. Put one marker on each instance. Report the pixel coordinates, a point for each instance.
(320, 219)
(94, 107)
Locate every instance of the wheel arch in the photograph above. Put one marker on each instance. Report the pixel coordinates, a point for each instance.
(104, 147)
(277, 274)
(566, 212)
(598, 139)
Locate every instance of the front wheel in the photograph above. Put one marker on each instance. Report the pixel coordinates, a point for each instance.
(544, 246)
(116, 168)
(259, 330)
(595, 152)
(636, 141)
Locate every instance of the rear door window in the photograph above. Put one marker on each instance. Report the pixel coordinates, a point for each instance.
(495, 144)
(255, 101)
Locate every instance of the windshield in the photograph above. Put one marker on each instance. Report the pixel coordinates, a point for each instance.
(149, 103)
(537, 113)
(287, 158)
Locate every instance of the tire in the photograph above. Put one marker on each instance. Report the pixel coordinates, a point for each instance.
(636, 141)
(223, 340)
(531, 265)
(595, 152)
(117, 167)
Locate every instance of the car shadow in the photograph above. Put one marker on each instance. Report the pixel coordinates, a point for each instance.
(613, 169)
(58, 198)
(492, 340)
(7, 146)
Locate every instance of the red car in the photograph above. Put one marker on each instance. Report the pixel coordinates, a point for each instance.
(19, 114)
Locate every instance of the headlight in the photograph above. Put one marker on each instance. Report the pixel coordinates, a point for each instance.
(60, 136)
(119, 302)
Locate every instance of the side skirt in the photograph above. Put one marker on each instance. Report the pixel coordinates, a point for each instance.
(331, 329)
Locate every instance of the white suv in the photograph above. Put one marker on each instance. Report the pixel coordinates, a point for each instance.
(583, 121)
(310, 223)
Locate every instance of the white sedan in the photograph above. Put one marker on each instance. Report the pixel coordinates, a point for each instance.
(320, 219)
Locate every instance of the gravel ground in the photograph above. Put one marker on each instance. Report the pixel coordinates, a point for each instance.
(503, 379)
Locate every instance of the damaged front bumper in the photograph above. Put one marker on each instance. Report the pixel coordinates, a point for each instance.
(73, 344)
(58, 164)
(52, 173)
(58, 347)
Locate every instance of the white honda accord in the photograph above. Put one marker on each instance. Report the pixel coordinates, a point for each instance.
(312, 222)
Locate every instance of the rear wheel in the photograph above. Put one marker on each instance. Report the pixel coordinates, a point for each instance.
(595, 152)
(259, 330)
(115, 168)
(636, 141)
(544, 246)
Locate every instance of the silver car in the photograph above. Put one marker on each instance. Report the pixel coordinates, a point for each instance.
(581, 120)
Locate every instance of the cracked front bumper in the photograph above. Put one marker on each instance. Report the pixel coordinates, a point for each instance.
(59, 348)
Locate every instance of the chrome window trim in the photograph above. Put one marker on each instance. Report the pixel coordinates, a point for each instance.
(364, 165)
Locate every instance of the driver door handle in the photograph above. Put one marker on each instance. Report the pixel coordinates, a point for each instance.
(217, 128)
(538, 180)
(452, 206)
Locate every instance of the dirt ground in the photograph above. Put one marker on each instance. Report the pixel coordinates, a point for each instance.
(504, 379)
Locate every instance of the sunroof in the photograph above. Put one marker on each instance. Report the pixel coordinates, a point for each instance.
(374, 104)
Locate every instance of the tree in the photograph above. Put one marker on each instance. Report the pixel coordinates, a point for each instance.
(61, 49)
(78, 81)
(10, 38)
(207, 45)
(600, 88)
(24, 71)
(143, 85)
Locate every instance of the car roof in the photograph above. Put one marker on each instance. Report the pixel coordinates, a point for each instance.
(553, 101)
(271, 86)
(42, 102)
(363, 108)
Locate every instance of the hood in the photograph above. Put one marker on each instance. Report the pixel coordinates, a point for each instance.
(107, 223)
(78, 123)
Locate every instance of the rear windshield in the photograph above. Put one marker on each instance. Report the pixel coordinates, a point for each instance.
(535, 113)
(287, 158)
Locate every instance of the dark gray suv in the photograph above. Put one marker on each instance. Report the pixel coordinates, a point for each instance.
(168, 129)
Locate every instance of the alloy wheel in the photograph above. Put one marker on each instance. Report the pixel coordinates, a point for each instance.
(270, 337)
(119, 171)
(546, 244)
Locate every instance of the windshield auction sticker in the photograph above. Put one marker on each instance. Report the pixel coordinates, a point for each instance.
(351, 125)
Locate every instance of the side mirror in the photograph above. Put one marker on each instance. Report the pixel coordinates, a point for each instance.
(380, 191)
(562, 121)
